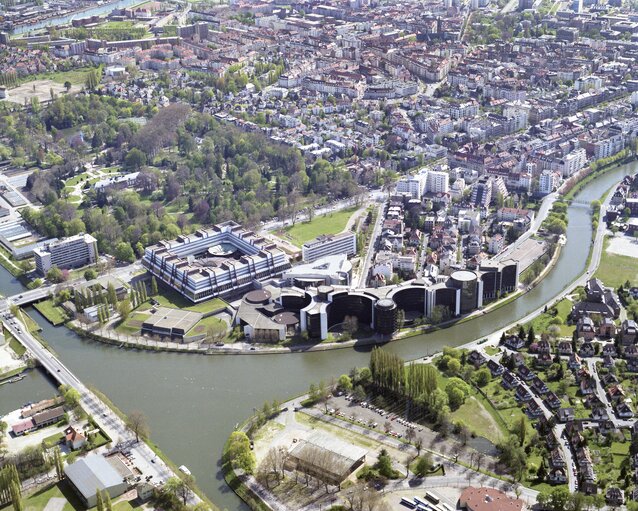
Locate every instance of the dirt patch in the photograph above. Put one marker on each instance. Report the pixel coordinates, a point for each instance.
(40, 89)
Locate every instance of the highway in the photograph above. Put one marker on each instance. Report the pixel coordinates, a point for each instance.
(142, 456)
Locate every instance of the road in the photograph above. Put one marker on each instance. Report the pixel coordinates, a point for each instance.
(34, 295)
(540, 216)
(362, 276)
(548, 414)
(372, 196)
(143, 457)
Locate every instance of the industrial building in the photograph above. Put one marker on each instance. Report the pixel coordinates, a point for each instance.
(220, 261)
(73, 252)
(172, 323)
(92, 473)
(329, 245)
(326, 458)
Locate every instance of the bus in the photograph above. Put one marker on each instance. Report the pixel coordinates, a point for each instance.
(446, 507)
(408, 503)
(432, 497)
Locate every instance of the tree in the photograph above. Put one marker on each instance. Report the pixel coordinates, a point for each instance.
(100, 501)
(400, 319)
(180, 487)
(559, 499)
(423, 465)
(154, 289)
(384, 465)
(55, 275)
(57, 461)
(92, 80)
(16, 496)
(520, 429)
(344, 383)
(68, 85)
(71, 396)
(111, 295)
(124, 308)
(124, 252)
(531, 336)
(239, 452)
(482, 376)
(136, 421)
(108, 505)
(134, 160)
(543, 499)
(216, 332)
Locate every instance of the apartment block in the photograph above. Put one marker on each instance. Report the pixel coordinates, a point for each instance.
(72, 252)
(322, 246)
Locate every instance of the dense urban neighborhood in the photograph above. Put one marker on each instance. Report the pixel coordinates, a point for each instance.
(418, 217)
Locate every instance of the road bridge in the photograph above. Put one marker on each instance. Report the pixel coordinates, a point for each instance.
(143, 457)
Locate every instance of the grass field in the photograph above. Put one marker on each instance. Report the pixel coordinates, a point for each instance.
(615, 269)
(16, 346)
(53, 313)
(39, 500)
(202, 326)
(169, 298)
(332, 223)
(132, 325)
(478, 419)
(542, 322)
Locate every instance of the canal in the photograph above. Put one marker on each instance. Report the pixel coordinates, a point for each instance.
(193, 402)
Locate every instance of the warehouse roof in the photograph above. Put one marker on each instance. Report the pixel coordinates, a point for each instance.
(91, 473)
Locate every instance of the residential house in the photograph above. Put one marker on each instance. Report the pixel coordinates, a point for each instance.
(587, 349)
(525, 373)
(509, 381)
(514, 343)
(566, 414)
(628, 332)
(624, 411)
(476, 358)
(73, 438)
(585, 328)
(614, 496)
(495, 368)
(565, 348)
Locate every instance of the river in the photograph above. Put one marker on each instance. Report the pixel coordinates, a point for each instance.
(67, 18)
(193, 402)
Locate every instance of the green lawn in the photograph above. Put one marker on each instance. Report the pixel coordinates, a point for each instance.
(132, 325)
(16, 346)
(332, 223)
(53, 313)
(542, 322)
(53, 440)
(75, 76)
(615, 269)
(202, 326)
(39, 500)
(76, 179)
(170, 298)
(474, 414)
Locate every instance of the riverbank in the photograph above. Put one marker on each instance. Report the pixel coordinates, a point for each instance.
(222, 392)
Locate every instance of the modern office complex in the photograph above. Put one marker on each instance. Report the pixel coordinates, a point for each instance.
(220, 261)
(460, 293)
(328, 245)
(72, 252)
(318, 309)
